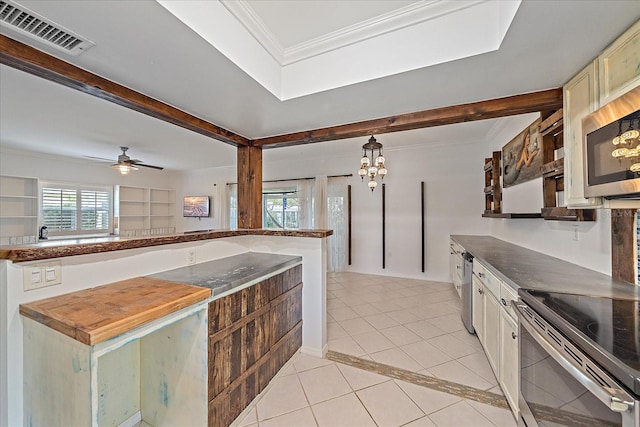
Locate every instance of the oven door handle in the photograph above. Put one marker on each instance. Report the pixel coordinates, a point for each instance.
(616, 400)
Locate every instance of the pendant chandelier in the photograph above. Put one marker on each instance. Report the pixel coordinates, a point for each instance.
(372, 166)
(627, 143)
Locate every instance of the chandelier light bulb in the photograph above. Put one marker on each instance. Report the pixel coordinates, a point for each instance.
(633, 152)
(364, 161)
(629, 136)
(635, 168)
(382, 172)
(616, 140)
(373, 184)
(380, 160)
(620, 152)
(362, 172)
(373, 171)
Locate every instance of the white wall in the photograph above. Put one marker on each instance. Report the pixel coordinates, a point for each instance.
(584, 243)
(48, 167)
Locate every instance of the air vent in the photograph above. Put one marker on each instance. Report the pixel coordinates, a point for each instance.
(22, 21)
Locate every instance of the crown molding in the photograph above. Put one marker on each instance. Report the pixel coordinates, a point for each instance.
(245, 14)
(394, 20)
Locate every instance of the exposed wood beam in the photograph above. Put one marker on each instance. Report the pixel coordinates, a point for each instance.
(512, 105)
(23, 57)
(249, 172)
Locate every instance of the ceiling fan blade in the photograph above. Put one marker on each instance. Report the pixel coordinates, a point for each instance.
(148, 166)
(102, 159)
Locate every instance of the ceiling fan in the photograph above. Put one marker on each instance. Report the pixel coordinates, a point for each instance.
(125, 164)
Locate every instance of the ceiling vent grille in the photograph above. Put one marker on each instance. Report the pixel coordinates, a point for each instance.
(25, 22)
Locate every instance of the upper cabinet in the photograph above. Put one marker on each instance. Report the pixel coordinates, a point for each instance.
(614, 72)
(619, 65)
(580, 99)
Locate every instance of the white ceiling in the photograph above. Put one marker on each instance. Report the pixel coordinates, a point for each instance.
(139, 44)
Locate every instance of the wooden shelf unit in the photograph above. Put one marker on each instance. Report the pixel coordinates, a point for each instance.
(553, 182)
(493, 191)
(492, 187)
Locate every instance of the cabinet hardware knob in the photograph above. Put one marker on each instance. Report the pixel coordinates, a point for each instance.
(513, 335)
(480, 291)
(503, 301)
(481, 275)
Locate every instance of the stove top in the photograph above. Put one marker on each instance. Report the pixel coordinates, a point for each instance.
(607, 329)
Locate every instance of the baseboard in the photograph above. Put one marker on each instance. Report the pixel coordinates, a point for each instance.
(312, 351)
(132, 421)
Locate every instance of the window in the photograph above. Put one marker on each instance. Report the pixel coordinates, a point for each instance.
(70, 210)
(280, 209)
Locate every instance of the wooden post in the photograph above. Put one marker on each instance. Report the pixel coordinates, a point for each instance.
(422, 206)
(349, 220)
(384, 237)
(249, 187)
(623, 255)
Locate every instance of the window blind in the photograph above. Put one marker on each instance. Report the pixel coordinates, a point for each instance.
(72, 210)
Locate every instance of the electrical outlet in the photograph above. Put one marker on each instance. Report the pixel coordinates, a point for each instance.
(191, 256)
(37, 276)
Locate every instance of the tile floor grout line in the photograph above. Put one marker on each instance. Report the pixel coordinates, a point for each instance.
(434, 383)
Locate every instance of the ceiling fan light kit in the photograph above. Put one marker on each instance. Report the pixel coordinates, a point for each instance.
(125, 164)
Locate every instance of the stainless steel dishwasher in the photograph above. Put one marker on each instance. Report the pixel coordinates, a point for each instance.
(466, 293)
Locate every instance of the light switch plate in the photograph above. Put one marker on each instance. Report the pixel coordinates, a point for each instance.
(41, 275)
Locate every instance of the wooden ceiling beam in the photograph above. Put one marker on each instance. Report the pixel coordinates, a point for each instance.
(509, 106)
(26, 58)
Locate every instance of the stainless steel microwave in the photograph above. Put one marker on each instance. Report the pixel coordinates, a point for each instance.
(611, 138)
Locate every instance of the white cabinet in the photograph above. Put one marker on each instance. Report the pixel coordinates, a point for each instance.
(456, 265)
(614, 72)
(492, 328)
(478, 307)
(18, 210)
(143, 211)
(509, 366)
(496, 324)
(619, 65)
(580, 99)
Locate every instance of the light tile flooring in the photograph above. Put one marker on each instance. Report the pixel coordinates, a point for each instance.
(409, 324)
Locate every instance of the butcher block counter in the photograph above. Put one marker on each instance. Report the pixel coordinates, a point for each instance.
(92, 316)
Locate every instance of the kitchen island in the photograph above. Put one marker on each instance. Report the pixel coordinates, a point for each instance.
(94, 262)
(156, 332)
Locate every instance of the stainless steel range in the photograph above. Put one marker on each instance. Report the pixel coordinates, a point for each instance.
(579, 360)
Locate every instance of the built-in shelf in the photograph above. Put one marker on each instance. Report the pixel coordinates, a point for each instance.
(142, 211)
(18, 210)
(513, 215)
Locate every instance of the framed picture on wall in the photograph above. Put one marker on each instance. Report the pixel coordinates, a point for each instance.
(522, 156)
(196, 206)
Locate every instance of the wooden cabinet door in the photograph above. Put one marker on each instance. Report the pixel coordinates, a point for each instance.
(619, 65)
(492, 329)
(509, 363)
(478, 308)
(580, 99)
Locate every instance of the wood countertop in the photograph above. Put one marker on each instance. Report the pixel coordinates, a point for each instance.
(63, 248)
(98, 314)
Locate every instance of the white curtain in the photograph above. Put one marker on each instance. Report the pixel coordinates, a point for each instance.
(305, 197)
(231, 196)
(336, 217)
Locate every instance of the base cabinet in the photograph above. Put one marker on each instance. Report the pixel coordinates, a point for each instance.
(497, 329)
(252, 334)
(509, 367)
(491, 328)
(152, 374)
(478, 308)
